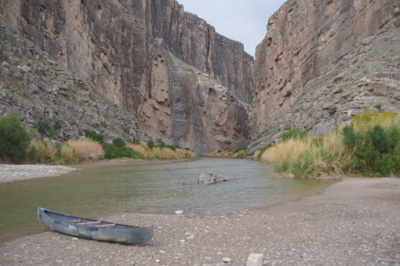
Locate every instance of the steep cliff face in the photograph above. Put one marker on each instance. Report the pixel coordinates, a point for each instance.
(306, 41)
(189, 105)
(38, 87)
(197, 43)
(129, 52)
(323, 61)
(104, 42)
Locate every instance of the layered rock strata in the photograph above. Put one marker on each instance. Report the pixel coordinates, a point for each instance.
(323, 61)
(137, 55)
(307, 40)
(37, 86)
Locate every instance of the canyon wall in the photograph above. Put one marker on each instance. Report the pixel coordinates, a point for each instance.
(197, 43)
(319, 61)
(144, 56)
(38, 87)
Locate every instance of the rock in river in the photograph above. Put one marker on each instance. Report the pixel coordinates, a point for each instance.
(211, 179)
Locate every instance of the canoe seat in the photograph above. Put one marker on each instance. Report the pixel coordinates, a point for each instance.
(96, 222)
(106, 225)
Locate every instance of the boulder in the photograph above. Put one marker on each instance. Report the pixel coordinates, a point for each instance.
(211, 179)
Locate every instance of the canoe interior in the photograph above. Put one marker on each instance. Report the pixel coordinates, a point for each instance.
(83, 221)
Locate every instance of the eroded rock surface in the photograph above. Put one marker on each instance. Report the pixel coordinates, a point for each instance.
(128, 52)
(38, 87)
(321, 62)
(308, 40)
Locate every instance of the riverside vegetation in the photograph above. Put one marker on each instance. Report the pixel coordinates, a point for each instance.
(369, 145)
(16, 146)
(238, 154)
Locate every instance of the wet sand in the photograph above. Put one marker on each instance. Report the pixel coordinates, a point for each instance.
(352, 222)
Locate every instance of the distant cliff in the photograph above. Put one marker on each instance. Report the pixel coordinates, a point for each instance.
(322, 61)
(183, 82)
(197, 43)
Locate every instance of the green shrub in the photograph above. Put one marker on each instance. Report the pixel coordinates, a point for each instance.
(260, 153)
(136, 142)
(171, 147)
(119, 142)
(160, 143)
(240, 154)
(294, 133)
(368, 118)
(376, 150)
(46, 129)
(90, 134)
(113, 152)
(14, 139)
(150, 144)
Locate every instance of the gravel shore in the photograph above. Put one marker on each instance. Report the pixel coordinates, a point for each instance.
(353, 222)
(20, 172)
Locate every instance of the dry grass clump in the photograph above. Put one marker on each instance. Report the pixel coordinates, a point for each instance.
(258, 154)
(138, 147)
(73, 151)
(41, 152)
(315, 157)
(285, 153)
(226, 154)
(68, 155)
(183, 153)
(85, 149)
(161, 153)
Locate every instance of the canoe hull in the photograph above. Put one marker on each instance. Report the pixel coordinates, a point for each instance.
(95, 229)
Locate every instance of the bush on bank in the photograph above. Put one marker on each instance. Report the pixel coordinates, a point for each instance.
(374, 139)
(370, 145)
(16, 146)
(160, 151)
(14, 139)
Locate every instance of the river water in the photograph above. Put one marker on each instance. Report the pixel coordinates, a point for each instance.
(147, 187)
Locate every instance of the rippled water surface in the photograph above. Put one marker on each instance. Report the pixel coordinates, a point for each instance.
(147, 187)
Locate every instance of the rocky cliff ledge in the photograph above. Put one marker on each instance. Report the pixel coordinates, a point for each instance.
(323, 61)
(183, 82)
(38, 86)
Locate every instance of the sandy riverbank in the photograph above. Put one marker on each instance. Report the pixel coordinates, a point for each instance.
(20, 172)
(353, 222)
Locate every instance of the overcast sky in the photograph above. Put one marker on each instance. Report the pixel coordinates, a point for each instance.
(240, 20)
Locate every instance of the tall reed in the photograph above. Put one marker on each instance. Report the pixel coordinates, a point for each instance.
(311, 156)
(41, 152)
(284, 154)
(86, 149)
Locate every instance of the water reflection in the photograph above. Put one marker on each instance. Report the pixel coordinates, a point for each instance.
(149, 187)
